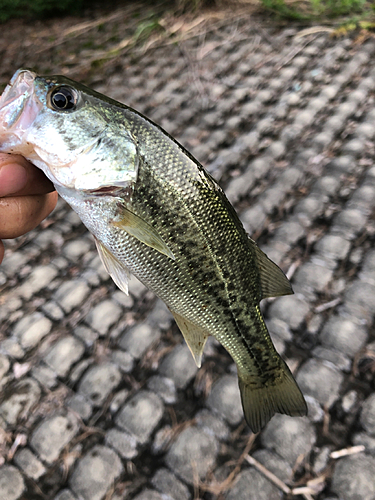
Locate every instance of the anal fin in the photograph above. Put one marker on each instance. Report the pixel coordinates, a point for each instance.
(118, 272)
(194, 336)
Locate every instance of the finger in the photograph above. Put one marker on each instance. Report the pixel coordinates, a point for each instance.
(1, 251)
(20, 214)
(19, 177)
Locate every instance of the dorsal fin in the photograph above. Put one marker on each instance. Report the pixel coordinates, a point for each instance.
(118, 272)
(194, 336)
(272, 280)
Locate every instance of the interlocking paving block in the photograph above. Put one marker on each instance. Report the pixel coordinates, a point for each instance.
(53, 311)
(79, 369)
(362, 438)
(253, 218)
(125, 444)
(12, 303)
(290, 232)
(39, 278)
(292, 309)
(81, 406)
(149, 495)
(46, 238)
(168, 484)
(31, 329)
(225, 399)
(71, 294)
(288, 437)
(65, 495)
(279, 328)
(333, 246)
(13, 262)
(63, 354)
(179, 365)
(160, 316)
(52, 435)
(103, 316)
(98, 382)
(124, 300)
(18, 400)
(349, 222)
(192, 455)
(118, 400)
(353, 477)
(343, 334)
(212, 424)
(161, 440)
(275, 464)
(322, 459)
(163, 387)
(136, 288)
(11, 483)
(321, 380)
(138, 339)
(312, 277)
(97, 265)
(73, 250)
(123, 360)
(29, 464)
(368, 415)
(4, 365)
(359, 300)
(140, 415)
(12, 348)
(95, 473)
(336, 358)
(349, 401)
(44, 375)
(251, 484)
(88, 335)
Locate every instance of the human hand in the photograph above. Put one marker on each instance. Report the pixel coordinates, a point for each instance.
(26, 197)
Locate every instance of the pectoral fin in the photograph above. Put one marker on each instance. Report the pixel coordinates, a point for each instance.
(272, 280)
(118, 272)
(194, 336)
(137, 227)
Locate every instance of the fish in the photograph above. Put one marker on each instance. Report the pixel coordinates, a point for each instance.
(156, 213)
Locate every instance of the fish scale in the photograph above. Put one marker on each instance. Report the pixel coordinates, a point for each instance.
(156, 213)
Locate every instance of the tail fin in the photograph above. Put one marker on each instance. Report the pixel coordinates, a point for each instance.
(260, 404)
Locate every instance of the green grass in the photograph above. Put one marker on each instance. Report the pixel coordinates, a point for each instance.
(289, 9)
(320, 9)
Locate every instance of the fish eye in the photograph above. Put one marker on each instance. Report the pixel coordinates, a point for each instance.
(63, 99)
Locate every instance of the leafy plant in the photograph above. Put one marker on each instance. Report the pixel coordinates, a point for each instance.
(37, 8)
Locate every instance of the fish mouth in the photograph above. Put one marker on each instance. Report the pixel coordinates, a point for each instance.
(18, 107)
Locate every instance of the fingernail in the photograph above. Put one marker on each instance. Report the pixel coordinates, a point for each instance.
(13, 177)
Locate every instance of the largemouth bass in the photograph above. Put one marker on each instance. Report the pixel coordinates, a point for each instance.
(156, 213)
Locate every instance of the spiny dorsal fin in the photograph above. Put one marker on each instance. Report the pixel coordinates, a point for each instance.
(272, 280)
(118, 272)
(140, 229)
(194, 336)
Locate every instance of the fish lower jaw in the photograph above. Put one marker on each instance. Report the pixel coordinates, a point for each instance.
(12, 144)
